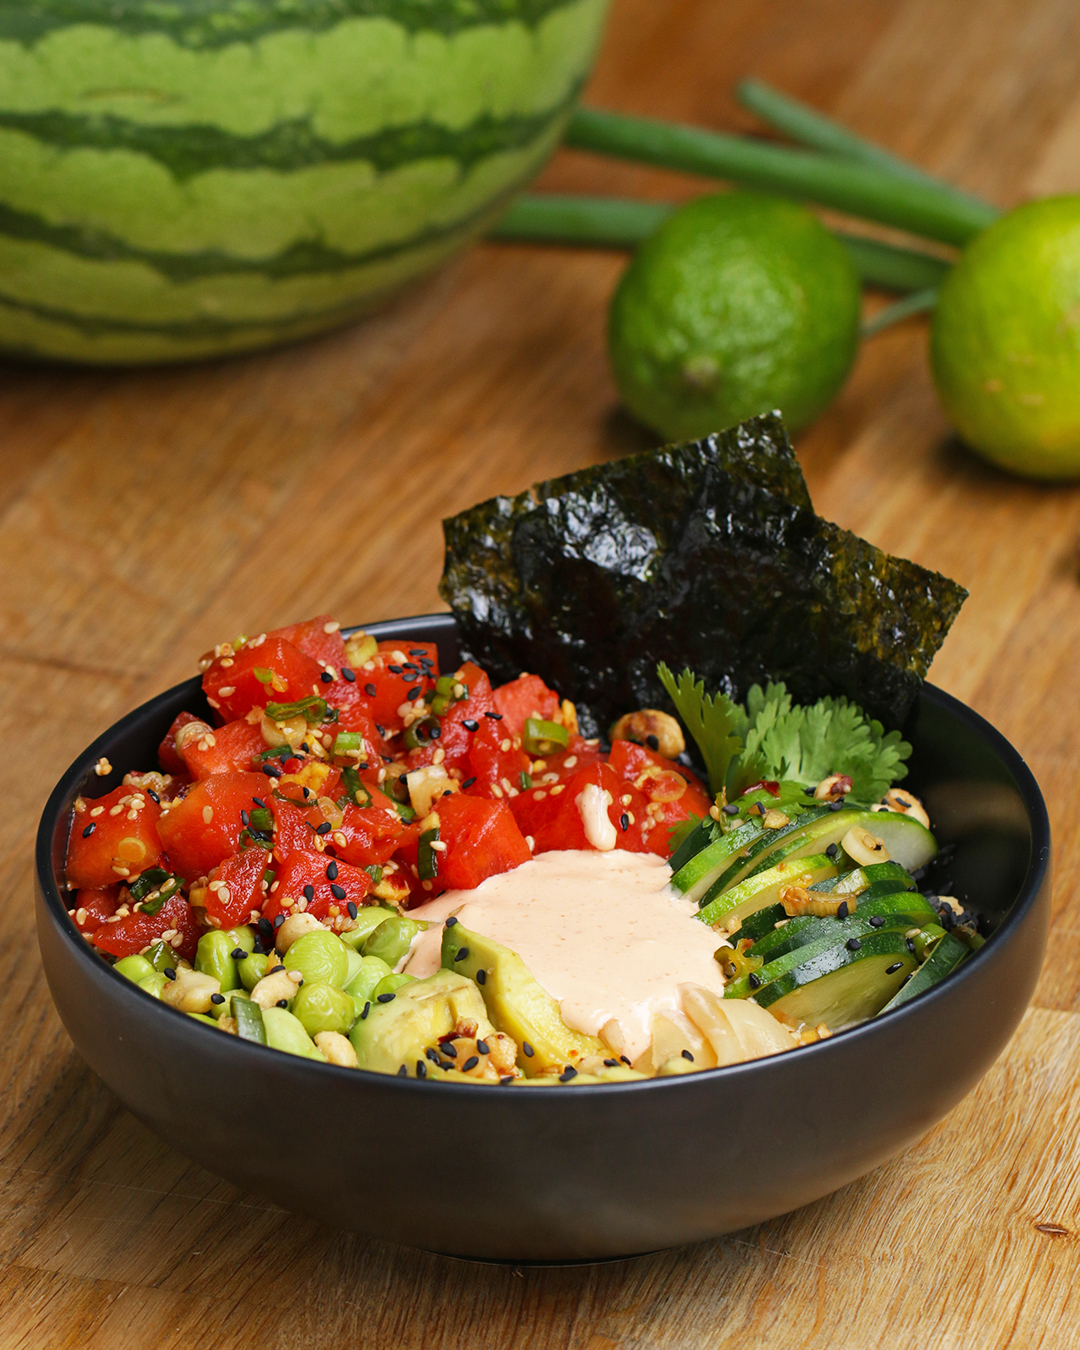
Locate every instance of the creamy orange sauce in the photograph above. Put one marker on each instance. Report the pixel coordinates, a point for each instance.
(603, 933)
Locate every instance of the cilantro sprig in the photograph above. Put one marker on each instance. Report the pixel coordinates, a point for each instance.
(775, 739)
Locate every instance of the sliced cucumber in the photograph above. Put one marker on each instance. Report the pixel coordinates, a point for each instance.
(942, 961)
(763, 921)
(841, 987)
(893, 913)
(910, 844)
(699, 837)
(755, 893)
(696, 875)
(789, 838)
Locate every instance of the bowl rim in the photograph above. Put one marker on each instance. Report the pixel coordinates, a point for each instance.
(70, 782)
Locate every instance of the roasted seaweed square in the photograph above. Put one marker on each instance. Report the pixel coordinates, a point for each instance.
(707, 555)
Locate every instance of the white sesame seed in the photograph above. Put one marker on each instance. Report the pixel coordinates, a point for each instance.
(207, 814)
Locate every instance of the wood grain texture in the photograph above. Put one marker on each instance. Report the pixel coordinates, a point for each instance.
(147, 515)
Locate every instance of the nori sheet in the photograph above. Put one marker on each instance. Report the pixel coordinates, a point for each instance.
(706, 554)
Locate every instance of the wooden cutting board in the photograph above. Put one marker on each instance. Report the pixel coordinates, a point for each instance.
(146, 515)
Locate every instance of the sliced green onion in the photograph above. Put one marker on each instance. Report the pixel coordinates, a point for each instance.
(542, 738)
(263, 675)
(421, 733)
(249, 1020)
(313, 709)
(524, 781)
(261, 819)
(358, 793)
(348, 743)
(374, 871)
(427, 858)
(403, 809)
(150, 880)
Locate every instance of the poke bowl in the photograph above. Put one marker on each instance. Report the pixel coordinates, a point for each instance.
(571, 1172)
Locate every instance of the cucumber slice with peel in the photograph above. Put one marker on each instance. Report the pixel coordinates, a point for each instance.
(736, 902)
(699, 872)
(910, 844)
(787, 841)
(894, 913)
(942, 961)
(841, 987)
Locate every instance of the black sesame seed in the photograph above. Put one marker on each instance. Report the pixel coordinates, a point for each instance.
(370, 690)
(271, 771)
(305, 747)
(259, 802)
(483, 1047)
(282, 1003)
(217, 998)
(471, 724)
(832, 850)
(338, 892)
(382, 732)
(687, 1055)
(731, 809)
(245, 819)
(347, 674)
(351, 908)
(653, 742)
(89, 830)
(481, 977)
(396, 669)
(810, 791)
(753, 980)
(611, 1063)
(843, 911)
(238, 953)
(170, 974)
(385, 998)
(421, 1069)
(432, 1054)
(409, 675)
(324, 828)
(470, 1063)
(836, 806)
(567, 1073)
(419, 651)
(309, 893)
(414, 692)
(461, 954)
(467, 783)
(435, 733)
(876, 921)
(326, 677)
(403, 1072)
(331, 871)
(367, 1009)
(891, 970)
(508, 1079)
(306, 791)
(626, 1061)
(527, 1050)
(853, 944)
(451, 921)
(153, 796)
(495, 717)
(265, 929)
(279, 919)
(911, 944)
(449, 1049)
(624, 822)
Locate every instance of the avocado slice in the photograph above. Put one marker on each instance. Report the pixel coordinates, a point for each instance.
(517, 1003)
(418, 1015)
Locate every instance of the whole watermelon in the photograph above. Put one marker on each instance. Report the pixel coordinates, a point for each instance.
(180, 178)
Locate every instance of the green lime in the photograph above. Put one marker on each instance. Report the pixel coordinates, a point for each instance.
(737, 305)
(1005, 346)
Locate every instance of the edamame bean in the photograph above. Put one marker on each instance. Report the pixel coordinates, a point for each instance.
(241, 936)
(251, 970)
(366, 921)
(134, 968)
(362, 986)
(392, 939)
(321, 1007)
(154, 983)
(213, 956)
(285, 1032)
(390, 984)
(319, 957)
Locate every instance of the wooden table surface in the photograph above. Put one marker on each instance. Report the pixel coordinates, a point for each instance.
(146, 515)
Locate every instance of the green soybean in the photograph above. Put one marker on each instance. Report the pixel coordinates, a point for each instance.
(285, 1032)
(251, 970)
(319, 957)
(390, 984)
(213, 956)
(392, 939)
(365, 923)
(321, 1007)
(362, 986)
(242, 936)
(134, 968)
(154, 983)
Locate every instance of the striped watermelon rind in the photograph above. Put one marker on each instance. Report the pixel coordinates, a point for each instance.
(168, 196)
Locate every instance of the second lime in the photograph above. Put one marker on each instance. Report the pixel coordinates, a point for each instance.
(738, 305)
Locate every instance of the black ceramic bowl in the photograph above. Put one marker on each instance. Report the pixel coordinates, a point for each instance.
(565, 1173)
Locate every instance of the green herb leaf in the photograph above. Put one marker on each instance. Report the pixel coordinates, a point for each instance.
(716, 722)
